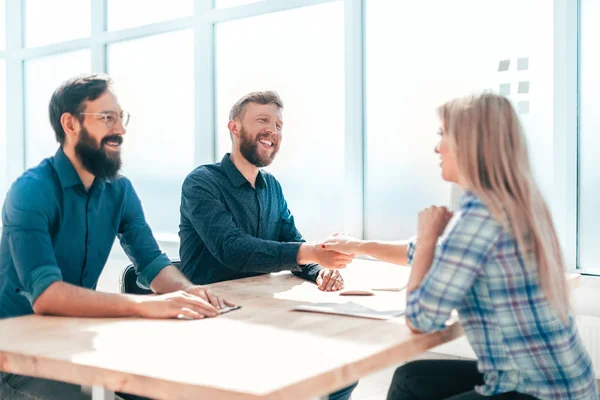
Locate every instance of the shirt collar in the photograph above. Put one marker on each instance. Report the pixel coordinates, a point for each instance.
(468, 197)
(64, 169)
(67, 174)
(261, 181)
(235, 176)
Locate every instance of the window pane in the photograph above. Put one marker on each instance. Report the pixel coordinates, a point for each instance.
(3, 159)
(56, 21)
(2, 24)
(158, 150)
(42, 77)
(233, 3)
(130, 13)
(589, 145)
(306, 68)
(411, 70)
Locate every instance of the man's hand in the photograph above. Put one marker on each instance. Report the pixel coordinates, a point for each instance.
(209, 296)
(316, 253)
(330, 280)
(332, 259)
(179, 304)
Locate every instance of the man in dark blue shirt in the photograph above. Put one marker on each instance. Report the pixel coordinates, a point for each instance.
(235, 222)
(60, 220)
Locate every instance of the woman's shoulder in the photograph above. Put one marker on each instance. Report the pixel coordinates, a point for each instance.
(473, 219)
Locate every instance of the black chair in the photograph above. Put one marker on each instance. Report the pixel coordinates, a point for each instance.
(128, 281)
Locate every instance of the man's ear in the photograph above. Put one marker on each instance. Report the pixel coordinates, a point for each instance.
(70, 125)
(233, 128)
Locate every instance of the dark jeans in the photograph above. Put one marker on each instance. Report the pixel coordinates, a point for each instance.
(442, 379)
(19, 387)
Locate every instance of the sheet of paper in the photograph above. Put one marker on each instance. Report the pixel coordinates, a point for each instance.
(350, 309)
(389, 289)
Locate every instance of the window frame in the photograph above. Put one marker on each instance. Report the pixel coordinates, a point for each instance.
(203, 21)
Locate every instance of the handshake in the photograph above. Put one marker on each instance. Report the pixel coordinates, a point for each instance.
(335, 252)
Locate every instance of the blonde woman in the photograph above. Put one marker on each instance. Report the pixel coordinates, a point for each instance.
(497, 261)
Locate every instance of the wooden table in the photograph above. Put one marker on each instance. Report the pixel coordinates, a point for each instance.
(263, 351)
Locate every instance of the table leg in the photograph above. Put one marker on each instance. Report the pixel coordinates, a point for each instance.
(100, 393)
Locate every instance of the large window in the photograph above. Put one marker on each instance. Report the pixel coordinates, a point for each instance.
(130, 13)
(589, 141)
(306, 68)
(48, 22)
(158, 149)
(3, 109)
(42, 77)
(2, 25)
(3, 176)
(233, 3)
(360, 81)
(415, 60)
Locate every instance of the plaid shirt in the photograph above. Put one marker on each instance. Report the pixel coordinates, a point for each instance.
(520, 341)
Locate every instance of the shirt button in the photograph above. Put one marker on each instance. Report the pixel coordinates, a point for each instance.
(89, 241)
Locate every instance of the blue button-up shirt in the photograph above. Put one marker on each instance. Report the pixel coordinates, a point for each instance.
(55, 230)
(520, 341)
(230, 230)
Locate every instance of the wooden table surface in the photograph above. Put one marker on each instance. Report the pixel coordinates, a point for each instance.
(264, 350)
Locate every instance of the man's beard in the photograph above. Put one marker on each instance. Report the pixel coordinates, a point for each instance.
(93, 157)
(249, 149)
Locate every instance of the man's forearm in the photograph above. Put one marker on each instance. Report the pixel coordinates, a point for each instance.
(307, 254)
(170, 279)
(67, 300)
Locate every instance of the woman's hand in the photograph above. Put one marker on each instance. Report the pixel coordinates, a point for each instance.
(432, 222)
(342, 243)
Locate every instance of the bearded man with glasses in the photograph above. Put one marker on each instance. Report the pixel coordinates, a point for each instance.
(60, 220)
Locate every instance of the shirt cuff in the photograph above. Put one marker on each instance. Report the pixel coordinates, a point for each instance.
(39, 280)
(289, 255)
(147, 275)
(421, 317)
(310, 272)
(412, 247)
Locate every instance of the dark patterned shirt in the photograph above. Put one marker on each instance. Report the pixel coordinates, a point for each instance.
(230, 230)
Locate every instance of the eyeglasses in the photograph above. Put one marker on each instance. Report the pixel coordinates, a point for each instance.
(111, 117)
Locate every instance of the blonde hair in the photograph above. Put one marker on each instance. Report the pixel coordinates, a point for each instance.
(491, 155)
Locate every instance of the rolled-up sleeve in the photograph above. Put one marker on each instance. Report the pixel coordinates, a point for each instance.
(26, 218)
(458, 260)
(138, 242)
(410, 252)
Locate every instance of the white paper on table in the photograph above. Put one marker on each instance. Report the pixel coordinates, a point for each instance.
(350, 309)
